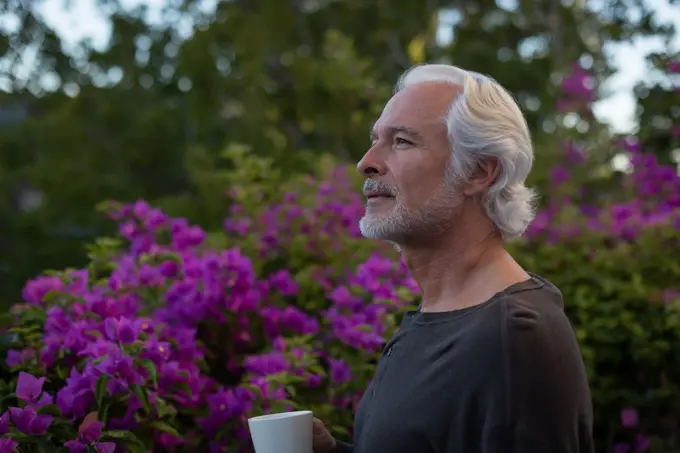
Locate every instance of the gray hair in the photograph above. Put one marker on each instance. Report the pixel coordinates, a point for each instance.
(485, 121)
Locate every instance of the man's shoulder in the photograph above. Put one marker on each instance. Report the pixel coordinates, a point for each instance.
(537, 335)
(533, 305)
(525, 320)
(528, 316)
(529, 341)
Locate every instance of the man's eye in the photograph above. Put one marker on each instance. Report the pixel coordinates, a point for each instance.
(402, 141)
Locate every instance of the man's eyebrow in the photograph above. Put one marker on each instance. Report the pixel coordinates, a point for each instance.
(405, 129)
(392, 130)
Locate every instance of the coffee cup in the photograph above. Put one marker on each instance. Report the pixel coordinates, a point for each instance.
(286, 432)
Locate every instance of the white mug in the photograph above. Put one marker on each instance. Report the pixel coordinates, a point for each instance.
(286, 432)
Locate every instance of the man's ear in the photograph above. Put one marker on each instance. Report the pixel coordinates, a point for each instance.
(484, 175)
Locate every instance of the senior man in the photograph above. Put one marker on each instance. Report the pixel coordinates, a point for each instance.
(489, 363)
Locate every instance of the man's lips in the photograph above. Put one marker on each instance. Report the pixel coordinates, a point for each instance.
(377, 194)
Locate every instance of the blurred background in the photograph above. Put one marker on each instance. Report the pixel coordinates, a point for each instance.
(133, 99)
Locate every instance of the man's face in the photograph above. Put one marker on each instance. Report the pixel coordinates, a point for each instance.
(408, 194)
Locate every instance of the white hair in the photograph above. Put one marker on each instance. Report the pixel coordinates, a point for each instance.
(485, 121)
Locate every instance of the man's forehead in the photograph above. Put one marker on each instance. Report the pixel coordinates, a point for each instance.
(418, 104)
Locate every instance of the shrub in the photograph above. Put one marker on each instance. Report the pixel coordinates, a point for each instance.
(172, 340)
(172, 337)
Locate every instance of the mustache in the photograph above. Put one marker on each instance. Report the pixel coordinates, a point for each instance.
(372, 185)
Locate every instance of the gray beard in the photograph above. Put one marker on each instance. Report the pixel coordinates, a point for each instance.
(402, 226)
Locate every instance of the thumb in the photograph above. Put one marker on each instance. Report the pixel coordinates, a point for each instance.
(319, 427)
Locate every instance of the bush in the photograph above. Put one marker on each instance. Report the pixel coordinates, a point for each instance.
(172, 337)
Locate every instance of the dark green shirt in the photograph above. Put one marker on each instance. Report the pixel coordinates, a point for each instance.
(505, 376)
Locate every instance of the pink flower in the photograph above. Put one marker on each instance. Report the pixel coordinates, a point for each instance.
(629, 418)
(29, 388)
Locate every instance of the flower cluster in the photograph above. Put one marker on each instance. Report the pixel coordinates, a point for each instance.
(174, 329)
(28, 418)
(630, 420)
(655, 200)
(578, 89)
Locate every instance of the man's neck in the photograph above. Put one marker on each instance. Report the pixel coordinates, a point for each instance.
(454, 274)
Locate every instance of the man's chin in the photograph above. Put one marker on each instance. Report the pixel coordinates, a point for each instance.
(375, 226)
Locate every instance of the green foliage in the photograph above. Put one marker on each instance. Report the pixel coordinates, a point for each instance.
(626, 320)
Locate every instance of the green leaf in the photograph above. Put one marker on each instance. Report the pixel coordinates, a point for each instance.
(100, 359)
(34, 336)
(163, 408)
(187, 389)
(100, 389)
(6, 319)
(317, 369)
(62, 373)
(25, 330)
(143, 396)
(126, 437)
(293, 379)
(50, 409)
(164, 427)
(150, 367)
(23, 438)
(339, 429)
(9, 396)
(296, 406)
(104, 411)
(254, 388)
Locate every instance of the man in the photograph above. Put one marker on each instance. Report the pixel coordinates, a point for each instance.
(489, 363)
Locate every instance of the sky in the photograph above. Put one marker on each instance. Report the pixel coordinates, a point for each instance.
(84, 20)
(619, 109)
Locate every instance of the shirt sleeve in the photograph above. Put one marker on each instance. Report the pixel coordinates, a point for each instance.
(343, 447)
(548, 403)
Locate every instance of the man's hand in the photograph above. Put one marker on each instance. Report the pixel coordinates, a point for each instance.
(323, 441)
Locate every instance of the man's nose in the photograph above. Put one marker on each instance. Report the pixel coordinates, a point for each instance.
(371, 164)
